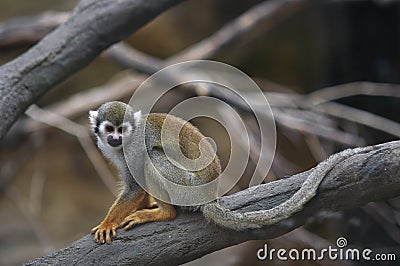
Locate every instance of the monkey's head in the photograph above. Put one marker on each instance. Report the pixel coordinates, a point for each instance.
(109, 126)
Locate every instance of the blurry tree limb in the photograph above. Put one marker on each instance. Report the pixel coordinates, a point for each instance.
(81, 133)
(264, 15)
(319, 101)
(92, 27)
(268, 12)
(304, 124)
(360, 116)
(371, 175)
(352, 89)
(121, 86)
(131, 58)
(30, 29)
(291, 110)
(265, 12)
(247, 26)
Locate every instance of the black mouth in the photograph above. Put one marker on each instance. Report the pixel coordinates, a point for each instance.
(114, 142)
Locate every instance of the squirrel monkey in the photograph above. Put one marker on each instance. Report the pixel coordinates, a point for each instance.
(135, 206)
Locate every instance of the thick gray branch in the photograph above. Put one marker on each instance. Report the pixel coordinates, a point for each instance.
(362, 178)
(93, 26)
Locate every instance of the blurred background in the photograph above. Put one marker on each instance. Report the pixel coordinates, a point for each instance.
(330, 70)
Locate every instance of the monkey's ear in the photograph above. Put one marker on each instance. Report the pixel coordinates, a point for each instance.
(137, 116)
(93, 118)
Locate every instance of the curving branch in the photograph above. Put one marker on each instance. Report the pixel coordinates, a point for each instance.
(362, 178)
(93, 26)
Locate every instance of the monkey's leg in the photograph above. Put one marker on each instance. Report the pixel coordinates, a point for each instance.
(121, 208)
(163, 212)
(156, 168)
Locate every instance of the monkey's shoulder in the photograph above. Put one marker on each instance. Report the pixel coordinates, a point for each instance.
(189, 135)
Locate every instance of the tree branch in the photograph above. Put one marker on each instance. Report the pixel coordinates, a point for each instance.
(93, 26)
(266, 14)
(365, 177)
(27, 30)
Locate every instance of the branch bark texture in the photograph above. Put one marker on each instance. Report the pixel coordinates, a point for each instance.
(93, 26)
(362, 178)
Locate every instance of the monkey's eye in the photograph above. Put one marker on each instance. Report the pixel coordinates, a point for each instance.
(109, 128)
(121, 129)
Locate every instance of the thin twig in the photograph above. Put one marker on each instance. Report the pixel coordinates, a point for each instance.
(352, 89)
(360, 117)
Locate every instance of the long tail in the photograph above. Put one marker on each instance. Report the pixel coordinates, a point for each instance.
(256, 219)
(234, 220)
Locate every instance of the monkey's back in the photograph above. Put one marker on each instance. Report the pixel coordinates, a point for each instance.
(189, 140)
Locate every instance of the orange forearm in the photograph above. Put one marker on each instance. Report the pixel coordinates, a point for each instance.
(121, 208)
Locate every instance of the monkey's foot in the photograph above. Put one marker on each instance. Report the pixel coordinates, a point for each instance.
(104, 232)
(148, 215)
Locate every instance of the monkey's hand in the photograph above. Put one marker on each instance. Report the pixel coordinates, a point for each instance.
(104, 232)
(121, 208)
